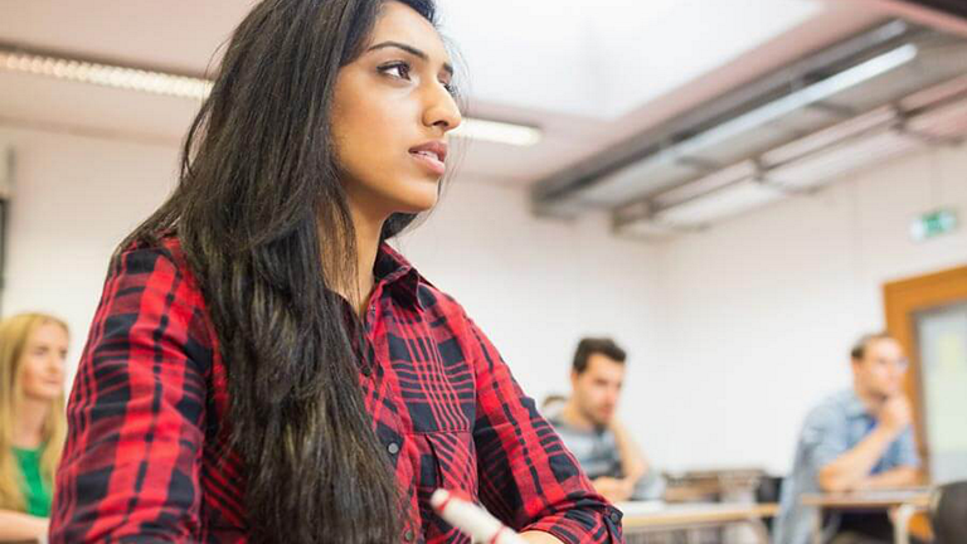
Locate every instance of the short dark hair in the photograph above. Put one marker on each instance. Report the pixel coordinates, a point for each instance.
(858, 351)
(589, 346)
(551, 400)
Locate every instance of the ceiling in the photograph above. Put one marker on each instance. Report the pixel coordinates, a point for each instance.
(599, 60)
(589, 74)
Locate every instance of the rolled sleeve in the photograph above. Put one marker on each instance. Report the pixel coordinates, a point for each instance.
(527, 477)
(573, 528)
(825, 437)
(131, 464)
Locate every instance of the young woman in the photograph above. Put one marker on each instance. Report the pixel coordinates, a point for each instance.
(263, 367)
(32, 425)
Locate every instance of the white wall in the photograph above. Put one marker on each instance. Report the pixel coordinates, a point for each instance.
(758, 313)
(534, 287)
(74, 199)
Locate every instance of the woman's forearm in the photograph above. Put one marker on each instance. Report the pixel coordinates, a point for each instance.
(537, 537)
(20, 526)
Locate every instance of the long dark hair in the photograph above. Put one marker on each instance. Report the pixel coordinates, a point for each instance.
(265, 226)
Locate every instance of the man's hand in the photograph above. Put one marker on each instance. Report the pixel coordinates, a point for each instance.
(614, 489)
(851, 470)
(634, 464)
(895, 414)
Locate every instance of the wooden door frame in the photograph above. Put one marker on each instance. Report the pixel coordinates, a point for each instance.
(901, 300)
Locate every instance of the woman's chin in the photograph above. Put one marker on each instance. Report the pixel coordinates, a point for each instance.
(45, 395)
(418, 201)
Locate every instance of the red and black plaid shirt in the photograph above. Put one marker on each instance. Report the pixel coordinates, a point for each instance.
(141, 461)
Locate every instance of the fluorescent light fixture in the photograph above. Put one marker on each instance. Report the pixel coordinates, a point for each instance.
(936, 94)
(106, 75)
(665, 168)
(801, 165)
(720, 204)
(733, 198)
(811, 94)
(651, 230)
(848, 157)
(498, 132)
(947, 122)
(867, 123)
(934, 115)
(714, 181)
(197, 88)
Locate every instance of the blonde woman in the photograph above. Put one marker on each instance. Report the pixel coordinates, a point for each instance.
(32, 423)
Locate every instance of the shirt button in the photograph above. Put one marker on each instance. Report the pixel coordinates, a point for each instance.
(615, 517)
(393, 448)
(408, 536)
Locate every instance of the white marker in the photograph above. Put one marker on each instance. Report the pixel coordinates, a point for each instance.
(472, 519)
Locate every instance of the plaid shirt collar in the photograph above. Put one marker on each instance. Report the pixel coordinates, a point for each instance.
(394, 272)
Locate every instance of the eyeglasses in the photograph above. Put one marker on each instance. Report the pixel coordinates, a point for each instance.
(901, 364)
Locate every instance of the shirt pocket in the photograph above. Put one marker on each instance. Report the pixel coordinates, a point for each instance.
(448, 461)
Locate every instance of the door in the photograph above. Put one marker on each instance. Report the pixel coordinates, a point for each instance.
(941, 337)
(928, 316)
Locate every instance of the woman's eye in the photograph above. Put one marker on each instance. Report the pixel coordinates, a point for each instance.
(398, 70)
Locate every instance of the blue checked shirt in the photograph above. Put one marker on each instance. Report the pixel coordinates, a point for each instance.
(831, 429)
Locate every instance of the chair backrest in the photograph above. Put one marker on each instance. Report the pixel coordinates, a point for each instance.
(948, 513)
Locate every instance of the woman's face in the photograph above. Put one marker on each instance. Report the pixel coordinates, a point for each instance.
(392, 110)
(42, 363)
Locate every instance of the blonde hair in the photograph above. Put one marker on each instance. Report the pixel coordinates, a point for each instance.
(15, 332)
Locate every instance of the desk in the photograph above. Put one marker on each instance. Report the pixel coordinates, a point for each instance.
(907, 502)
(652, 517)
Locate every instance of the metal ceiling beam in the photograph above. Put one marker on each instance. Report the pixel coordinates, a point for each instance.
(554, 195)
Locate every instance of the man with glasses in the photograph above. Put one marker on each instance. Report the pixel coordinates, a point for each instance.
(857, 439)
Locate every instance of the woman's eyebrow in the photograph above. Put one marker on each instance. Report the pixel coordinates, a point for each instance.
(411, 50)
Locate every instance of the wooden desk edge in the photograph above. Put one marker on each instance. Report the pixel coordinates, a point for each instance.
(733, 515)
(920, 500)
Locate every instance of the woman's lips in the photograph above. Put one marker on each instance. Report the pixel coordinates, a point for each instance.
(430, 161)
(432, 154)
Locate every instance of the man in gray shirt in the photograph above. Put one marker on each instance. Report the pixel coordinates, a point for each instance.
(588, 427)
(856, 439)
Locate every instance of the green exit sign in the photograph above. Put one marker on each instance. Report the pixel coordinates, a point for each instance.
(933, 224)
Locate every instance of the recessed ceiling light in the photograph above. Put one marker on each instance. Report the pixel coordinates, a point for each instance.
(106, 75)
